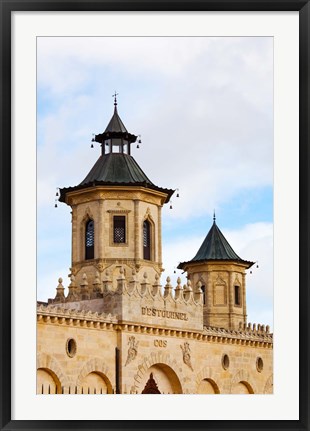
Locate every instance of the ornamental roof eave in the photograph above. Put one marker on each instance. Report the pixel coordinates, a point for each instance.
(102, 137)
(66, 190)
(184, 265)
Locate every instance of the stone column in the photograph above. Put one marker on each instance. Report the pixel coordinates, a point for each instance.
(230, 299)
(137, 230)
(100, 238)
(209, 295)
(74, 243)
(244, 298)
(158, 250)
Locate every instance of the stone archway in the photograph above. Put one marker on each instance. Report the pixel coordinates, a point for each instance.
(241, 383)
(165, 378)
(208, 386)
(94, 378)
(50, 377)
(207, 382)
(164, 374)
(47, 382)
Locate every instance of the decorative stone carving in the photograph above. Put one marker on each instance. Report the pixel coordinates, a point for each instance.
(133, 349)
(60, 296)
(186, 355)
(72, 295)
(100, 266)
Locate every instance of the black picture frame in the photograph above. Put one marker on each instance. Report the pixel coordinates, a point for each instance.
(9, 6)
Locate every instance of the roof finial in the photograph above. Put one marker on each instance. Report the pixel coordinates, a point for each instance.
(115, 100)
(214, 218)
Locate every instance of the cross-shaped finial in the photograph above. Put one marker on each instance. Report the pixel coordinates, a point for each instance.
(114, 95)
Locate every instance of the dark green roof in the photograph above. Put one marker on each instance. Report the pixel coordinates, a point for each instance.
(115, 130)
(118, 169)
(115, 124)
(215, 247)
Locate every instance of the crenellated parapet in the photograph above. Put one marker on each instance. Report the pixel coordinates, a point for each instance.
(244, 335)
(60, 315)
(140, 300)
(137, 299)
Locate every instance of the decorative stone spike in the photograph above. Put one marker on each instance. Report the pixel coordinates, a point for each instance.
(145, 285)
(188, 290)
(168, 288)
(60, 296)
(121, 273)
(107, 283)
(156, 286)
(267, 329)
(84, 287)
(262, 328)
(97, 286)
(133, 282)
(254, 326)
(178, 289)
(121, 281)
(198, 295)
(73, 294)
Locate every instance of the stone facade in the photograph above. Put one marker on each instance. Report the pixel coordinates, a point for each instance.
(100, 205)
(112, 342)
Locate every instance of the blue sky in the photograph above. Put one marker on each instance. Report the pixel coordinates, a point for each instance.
(204, 109)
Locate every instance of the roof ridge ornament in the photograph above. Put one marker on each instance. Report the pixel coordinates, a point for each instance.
(214, 218)
(115, 100)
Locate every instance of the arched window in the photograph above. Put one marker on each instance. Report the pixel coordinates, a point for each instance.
(203, 288)
(89, 239)
(146, 240)
(237, 295)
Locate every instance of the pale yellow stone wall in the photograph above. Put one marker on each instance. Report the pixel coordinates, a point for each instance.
(101, 204)
(181, 361)
(95, 353)
(220, 280)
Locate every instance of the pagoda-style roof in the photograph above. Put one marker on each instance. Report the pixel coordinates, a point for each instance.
(215, 247)
(115, 124)
(116, 169)
(115, 130)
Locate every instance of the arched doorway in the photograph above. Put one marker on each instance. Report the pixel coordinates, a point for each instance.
(47, 382)
(242, 388)
(207, 386)
(95, 383)
(161, 378)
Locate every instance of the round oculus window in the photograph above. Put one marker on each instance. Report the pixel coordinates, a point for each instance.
(225, 361)
(259, 364)
(71, 347)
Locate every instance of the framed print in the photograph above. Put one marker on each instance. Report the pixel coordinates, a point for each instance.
(154, 215)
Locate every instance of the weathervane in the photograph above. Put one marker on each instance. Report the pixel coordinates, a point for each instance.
(115, 100)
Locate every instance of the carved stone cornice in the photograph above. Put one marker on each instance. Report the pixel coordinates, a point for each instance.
(61, 315)
(116, 192)
(88, 319)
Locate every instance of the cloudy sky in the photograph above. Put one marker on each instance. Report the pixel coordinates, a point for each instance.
(204, 109)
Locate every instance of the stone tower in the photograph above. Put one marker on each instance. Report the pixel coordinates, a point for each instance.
(116, 213)
(221, 273)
